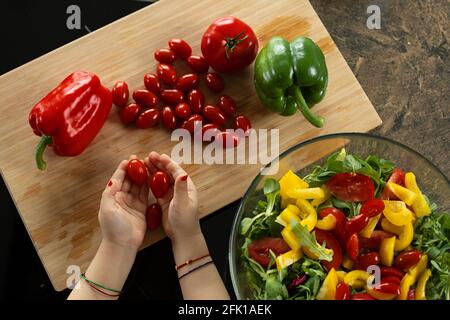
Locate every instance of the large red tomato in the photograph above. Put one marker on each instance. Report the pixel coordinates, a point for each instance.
(259, 249)
(229, 45)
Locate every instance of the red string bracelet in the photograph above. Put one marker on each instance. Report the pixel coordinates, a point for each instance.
(103, 292)
(188, 262)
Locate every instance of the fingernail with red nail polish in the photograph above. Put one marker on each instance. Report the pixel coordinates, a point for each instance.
(184, 178)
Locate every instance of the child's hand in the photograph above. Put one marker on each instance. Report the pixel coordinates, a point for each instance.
(122, 210)
(180, 209)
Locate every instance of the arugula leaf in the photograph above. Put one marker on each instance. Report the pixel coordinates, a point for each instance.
(275, 289)
(309, 240)
(350, 208)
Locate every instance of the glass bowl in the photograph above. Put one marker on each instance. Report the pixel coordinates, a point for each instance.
(302, 157)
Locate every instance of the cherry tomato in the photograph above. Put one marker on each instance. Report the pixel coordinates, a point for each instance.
(366, 260)
(168, 118)
(166, 73)
(407, 259)
(342, 292)
(331, 243)
(189, 124)
(148, 118)
(171, 96)
(373, 243)
(391, 272)
(227, 139)
(349, 186)
(214, 82)
(387, 287)
(187, 82)
(412, 294)
(165, 56)
(372, 208)
(227, 105)
(182, 110)
(145, 98)
(341, 219)
(209, 131)
(398, 177)
(137, 172)
(159, 183)
(258, 250)
(353, 247)
(361, 296)
(196, 100)
(391, 279)
(214, 114)
(153, 216)
(129, 113)
(243, 123)
(181, 48)
(120, 94)
(152, 83)
(356, 224)
(198, 64)
(229, 45)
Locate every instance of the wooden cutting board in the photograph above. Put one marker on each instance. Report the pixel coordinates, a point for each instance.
(59, 207)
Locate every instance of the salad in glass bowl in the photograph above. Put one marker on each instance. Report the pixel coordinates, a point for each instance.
(352, 228)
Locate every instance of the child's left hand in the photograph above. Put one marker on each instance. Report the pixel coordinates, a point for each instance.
(122, 210)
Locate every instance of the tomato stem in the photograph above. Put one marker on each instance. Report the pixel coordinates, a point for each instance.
(231, 43)
(40, 148)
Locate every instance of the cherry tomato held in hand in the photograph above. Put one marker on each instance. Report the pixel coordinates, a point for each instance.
(187, 82)
(209, 131)
(398, 177)
(182, 110)
(148, 118)
(331, 243)
(190, 123)
(243, 123)
(181, 48)
(166, 73)
(171, 96)
(214, 114)
(137, 172)
(229, 45)
(356, 224)
(159, 184)
(227, 105)
(120, 94)
(214, 82)
(196, 100)
(129, 114)
(198, 64)
(353, 247)
(342, 292)
(153, 216)
(166, 56)
(352, 187)
(406, 260)
(152, 83)
(168, 118)
(258, 250)
(366, 260)
(145, 98)
(372, 208)
(227, 139)
(361, 296)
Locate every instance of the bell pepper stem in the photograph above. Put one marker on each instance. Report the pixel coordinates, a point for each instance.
(305, 110)
(40, 148)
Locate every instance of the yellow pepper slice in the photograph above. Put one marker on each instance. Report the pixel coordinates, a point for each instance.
(387, 226)
(327, 195)
(327, 223)
(405, 237)
(287, 182)
(307, 193)
(421, 285)
(420, 205)
(308, 213)
(286, 259)
(328, 289)
(402, 193)
(368, 229)
(312, 255)
(387, 251)
(289, 213)
(356, 278)
(341, 275)
(397, 213)
(347, 263)
(290, 238)
(405, 284)
(420, 267)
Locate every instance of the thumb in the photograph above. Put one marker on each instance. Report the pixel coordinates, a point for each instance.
(180, 189)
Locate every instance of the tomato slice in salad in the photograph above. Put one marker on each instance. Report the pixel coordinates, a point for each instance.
(333, 244)
(398, 177)
(341, 219)
(351, 187)
(259, 249)
(373, 243)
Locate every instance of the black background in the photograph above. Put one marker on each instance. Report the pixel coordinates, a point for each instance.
(30, 29)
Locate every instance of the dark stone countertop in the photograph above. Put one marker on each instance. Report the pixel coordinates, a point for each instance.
(403, 67)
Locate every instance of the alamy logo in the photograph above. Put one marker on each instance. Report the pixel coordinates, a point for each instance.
(374, 20)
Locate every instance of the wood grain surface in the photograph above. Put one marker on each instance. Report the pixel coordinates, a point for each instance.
(59, 207)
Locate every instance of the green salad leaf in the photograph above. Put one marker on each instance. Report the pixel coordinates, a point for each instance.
(308, 240)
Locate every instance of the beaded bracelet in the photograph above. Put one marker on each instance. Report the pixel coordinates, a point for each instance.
(188, 262)
(96, 286)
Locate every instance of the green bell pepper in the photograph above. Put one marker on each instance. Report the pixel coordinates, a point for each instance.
(291, 76)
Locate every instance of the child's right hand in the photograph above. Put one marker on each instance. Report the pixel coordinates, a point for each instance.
(180, 208)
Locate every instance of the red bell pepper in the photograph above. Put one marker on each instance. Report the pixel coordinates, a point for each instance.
(70, 116)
